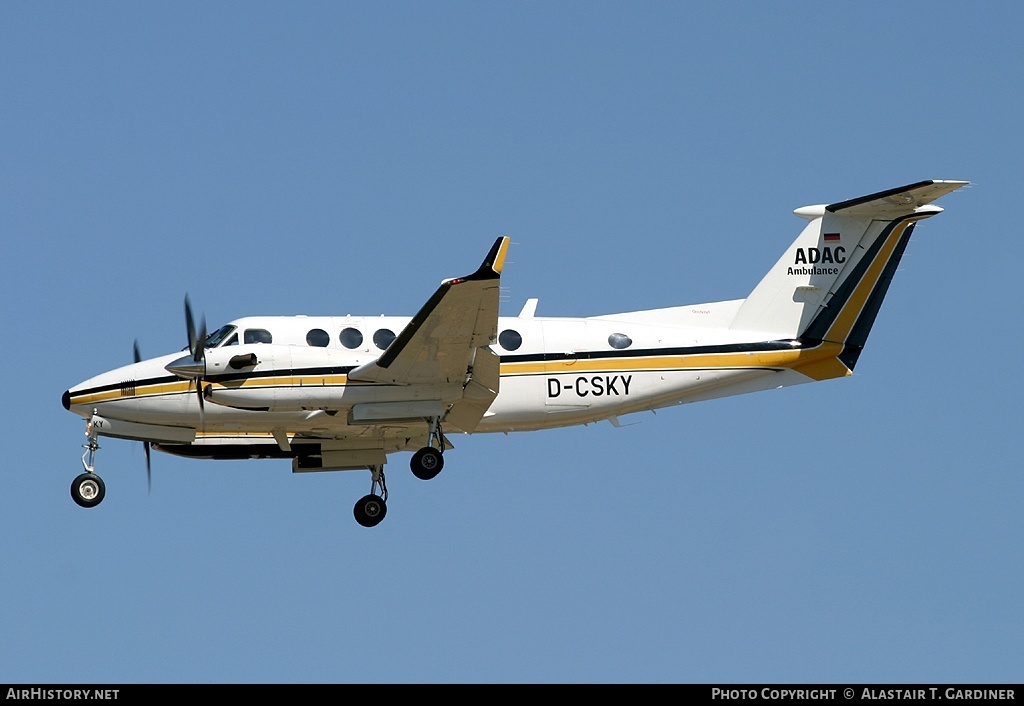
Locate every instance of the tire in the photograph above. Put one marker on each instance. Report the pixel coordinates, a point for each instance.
(426, 463)
(370, 510)
(88, 490)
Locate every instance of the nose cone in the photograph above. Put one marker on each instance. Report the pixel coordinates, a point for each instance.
(65, 400)
(186, 367)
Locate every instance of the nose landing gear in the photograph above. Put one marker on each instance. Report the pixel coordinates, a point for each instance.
(87, 489)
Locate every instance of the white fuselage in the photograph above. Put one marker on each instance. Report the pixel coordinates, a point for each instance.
(554, 372)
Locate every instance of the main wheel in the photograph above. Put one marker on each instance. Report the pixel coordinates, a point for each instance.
(426, 463)
(88, 490)
(370, 510)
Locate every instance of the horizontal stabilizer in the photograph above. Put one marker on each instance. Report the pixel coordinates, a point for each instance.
(892, 202)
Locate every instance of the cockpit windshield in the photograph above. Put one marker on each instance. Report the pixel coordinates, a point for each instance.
(219, 336)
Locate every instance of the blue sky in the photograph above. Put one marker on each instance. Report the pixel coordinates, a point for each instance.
(333, 158)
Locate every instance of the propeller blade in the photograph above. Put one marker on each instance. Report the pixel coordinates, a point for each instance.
(200, 346)
(202, 404)
(197, 347)
(135, 350)
(190, 327)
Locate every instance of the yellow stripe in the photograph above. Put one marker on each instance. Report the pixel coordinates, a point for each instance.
(101, 397)
(185, 386)
(847, 318)
(827, 368)
(237, 435)
(284, 381)
(150, 390)
(807, 360)
(499, 261)
(819, 363)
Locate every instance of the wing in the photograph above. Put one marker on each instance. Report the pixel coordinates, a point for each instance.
(447, 341)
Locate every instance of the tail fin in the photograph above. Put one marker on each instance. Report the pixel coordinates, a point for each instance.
(829, 284)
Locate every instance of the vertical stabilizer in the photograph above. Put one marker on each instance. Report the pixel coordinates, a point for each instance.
(840, 265)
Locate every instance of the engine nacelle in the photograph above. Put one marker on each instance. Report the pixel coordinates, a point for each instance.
(273, 378)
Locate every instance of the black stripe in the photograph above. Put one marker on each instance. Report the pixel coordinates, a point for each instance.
(832, 208)
(759, 347)
(762, 346)
(119, 385)
(862, 327)
(227, 377)
(289, 372)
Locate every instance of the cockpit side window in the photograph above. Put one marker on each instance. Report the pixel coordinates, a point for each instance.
(257, 335)
(218, 336)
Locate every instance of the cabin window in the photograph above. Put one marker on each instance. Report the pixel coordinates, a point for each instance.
(318, 337)
(351, 338)
(620, 340)
(233, 341)
(510, 340)
(383, 337)
(215, 338)
(257, 335)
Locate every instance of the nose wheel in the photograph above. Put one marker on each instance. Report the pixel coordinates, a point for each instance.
(87, 489)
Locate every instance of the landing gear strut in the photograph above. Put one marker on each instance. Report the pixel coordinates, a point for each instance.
(87, 489)
(428, 461)
(372, 508)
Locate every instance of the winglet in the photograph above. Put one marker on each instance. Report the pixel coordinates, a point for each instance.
(495, 260)
(496, 257)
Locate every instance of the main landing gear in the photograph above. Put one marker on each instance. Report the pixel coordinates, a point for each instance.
(425, 464)
(87, 489)
(428, 461)
(372, 508)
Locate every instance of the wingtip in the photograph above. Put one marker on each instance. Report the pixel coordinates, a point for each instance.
(496, 257)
